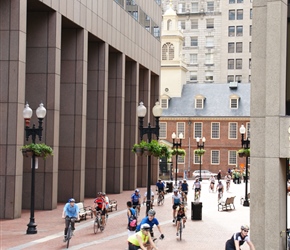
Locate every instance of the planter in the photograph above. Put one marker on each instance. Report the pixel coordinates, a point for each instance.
(139, 151)
(27, 152)
(146, 152)
(242, 154)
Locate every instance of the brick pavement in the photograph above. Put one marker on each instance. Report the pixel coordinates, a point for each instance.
(209, 233)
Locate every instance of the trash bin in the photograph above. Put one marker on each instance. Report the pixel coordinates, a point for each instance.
(169, 185)
(196, 210)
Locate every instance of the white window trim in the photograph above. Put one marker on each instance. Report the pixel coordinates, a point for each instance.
(218, 131)
(219, 158)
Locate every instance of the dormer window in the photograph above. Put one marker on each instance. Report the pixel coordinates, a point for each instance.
(199, 101)
(164, 103)
(234, 101)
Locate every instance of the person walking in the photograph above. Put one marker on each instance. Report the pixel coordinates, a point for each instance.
(238, 239)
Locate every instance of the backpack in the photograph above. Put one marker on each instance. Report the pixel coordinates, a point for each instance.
(132, 221)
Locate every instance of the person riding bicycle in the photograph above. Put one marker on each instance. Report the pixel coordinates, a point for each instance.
(140, 239)
(181, 214)
(151, 221)
(100, 205)
(220, 189)
(197, 187)
(136, 200)
(238, 239)
(184, 187)
(70, 211)
(160, 187)
(176, 200)
(228, 180)
(212, 182)
(152, 197)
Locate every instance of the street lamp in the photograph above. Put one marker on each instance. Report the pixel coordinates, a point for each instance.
(200, 146)
(27, 114)
(245, 145)
(176, 145)
(141, 112)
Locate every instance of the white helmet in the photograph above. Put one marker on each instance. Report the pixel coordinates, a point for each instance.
(145, 226)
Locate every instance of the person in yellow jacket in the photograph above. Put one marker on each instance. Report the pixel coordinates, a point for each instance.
(139, 239)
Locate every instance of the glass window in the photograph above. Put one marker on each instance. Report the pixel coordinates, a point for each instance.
(193, 58)
(181, 25)
(238, 78)
(210, 23)
(232, 157)
(181, 128)
(231, 78)
(240, 1)
(234, 103)
(250, 46)
(194, 24)
(199, 103)
(250, 30)
(240, 14)
(239, 47)
(231, 30)
(249, 78)
(181, 7)
(239, 63)
(197, 158)
(208, 58)
(232, 1)
(233, 130)
(239, 30)
(251, 13)
(250, 63)
(215, 130)
(198, 129)
(232, 14)
(248, 129)
(231, 47)
(180, 159)
(215, 157)
(193, 41)
(194, 7)
(209, 76)
(193, 76)
(210, 6)
(231, 64)
(164, 103)
(163, 129)
(209, 41)
(167, 51)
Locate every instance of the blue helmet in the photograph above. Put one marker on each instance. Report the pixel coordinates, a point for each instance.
(71, 200)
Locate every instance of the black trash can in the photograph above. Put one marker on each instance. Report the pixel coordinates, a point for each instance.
(169, 185)
(196, 210)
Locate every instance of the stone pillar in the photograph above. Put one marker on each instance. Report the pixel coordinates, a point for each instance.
(12, 99)
(97, 108)
(73, 91)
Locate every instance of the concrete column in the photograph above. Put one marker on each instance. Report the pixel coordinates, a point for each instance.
(97, 107)
(115, 137)
(73, 91)
(12, 99)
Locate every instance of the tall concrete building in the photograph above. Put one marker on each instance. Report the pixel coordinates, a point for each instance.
(217, 39)
(90, 63)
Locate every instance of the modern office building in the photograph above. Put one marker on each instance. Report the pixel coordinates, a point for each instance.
(89, 63)
(217, 39)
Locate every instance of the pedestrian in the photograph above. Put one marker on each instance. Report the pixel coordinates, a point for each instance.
(219, 175)
(238, 239)
(131, 214)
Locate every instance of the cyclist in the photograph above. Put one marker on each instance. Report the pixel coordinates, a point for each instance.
(107, 202)
(176, 200)
(151, 221)
(220, 189)
(160, 186)
(238, 239)
(152, 197)
(181, 214)
(136, 200)
(212, 182)
(100, 205)
(70, 211)
(184, 187)
(197, 188)
(141, 238)
(130, 213)
(228, 181)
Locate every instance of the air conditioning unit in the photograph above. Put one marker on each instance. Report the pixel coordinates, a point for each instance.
(233, 84)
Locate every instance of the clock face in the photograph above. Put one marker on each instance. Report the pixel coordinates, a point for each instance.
(167, 89)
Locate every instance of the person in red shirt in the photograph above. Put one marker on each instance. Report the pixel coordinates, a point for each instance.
(100, 205)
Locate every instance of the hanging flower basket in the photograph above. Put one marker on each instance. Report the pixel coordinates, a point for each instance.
(199, 152)
(180, 152)
(153, 148)
(244, 152)
(38, 149)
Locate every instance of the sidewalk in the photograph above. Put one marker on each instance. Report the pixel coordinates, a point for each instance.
(209, 233)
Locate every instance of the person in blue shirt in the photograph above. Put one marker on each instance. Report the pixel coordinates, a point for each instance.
(151, 221)
(70, 211)
(136, 200)
(160, 186)
(184, 187)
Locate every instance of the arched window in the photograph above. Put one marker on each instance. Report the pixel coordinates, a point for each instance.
(167, 51)
(169, 25)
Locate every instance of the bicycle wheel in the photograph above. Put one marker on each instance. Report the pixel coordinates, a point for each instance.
(68, 236)
(162, 200)
(180, 229)
(96, 226)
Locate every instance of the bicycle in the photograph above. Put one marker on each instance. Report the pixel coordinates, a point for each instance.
(69, 233)
(196, 195)
(180, 228)
(137, 210)
(160, 199)
(228, 185)
(98, 222)
(220, 195)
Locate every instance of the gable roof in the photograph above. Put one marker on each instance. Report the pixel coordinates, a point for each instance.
(216, 101)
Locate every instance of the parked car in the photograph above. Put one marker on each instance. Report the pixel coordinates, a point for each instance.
(205, 174)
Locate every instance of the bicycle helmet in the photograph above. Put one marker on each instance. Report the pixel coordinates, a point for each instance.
(104, 194)
(137, 190)
(245, 227)
(71, 200)
(151, 212)
(175, 190)
(145, 226)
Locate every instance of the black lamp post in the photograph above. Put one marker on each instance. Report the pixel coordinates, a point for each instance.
(176, 145)
(27, 113)
(141, 112)
(245, 145)
(200, 146)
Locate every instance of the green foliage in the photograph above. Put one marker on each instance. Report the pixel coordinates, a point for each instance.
(178, 151)
(199, 151)
(153, 147)
(39, 149)
(244, 152)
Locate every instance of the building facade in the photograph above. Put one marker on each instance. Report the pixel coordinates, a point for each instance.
(89, 63)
